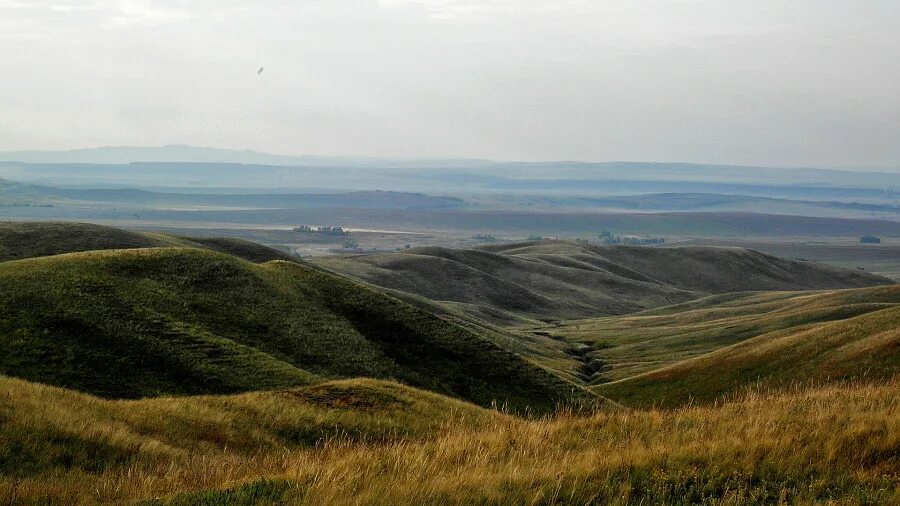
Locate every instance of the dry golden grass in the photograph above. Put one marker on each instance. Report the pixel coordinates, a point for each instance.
(643, 342)
(836, 443)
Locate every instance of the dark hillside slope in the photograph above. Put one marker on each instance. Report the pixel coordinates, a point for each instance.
(20, 240)
(241, 248)
(700, 269)
(553, 280)
(518, 286)
(35, 239)
(146, 322)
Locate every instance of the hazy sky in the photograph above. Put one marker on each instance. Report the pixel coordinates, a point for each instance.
(772, 82)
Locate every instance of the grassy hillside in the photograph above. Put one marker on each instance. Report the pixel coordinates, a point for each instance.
(34, 239)
(145, 322)
(503, 288)
(174, 372)
(25, 239)
(553, 280)
(881, 259)
(248, 250)
(702, 350)
(387, 444)
(621, 347)
(50, 429)
(700, 269)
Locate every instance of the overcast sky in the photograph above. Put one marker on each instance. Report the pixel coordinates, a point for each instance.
(769, 82)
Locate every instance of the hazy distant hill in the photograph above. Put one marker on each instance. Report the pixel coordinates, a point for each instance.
(14, 193)
(195, 154)
(466, 222)
(694, 202)
(266, 170)
(553, 280)
(171, 153)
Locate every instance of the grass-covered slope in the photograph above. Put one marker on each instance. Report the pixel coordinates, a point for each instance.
(144, 322)
(699, 269)
(380, 443)
(29, 239)
(241, 248)
(35, 239)
(705, 349)
(48, 429)
(553, 280)
(501, 287)
(624, 346)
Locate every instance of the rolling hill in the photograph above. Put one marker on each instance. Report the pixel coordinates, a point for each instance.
(556, 280)
(34, 239)
(702, 350)
(390, 444)
(157, 369)
(60, 429)
(880, 259)
(162, 321)
(20, 240)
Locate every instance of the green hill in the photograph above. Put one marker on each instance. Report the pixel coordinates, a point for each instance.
(241, 248)
(25, 239)
(161, 321)
(34, 239)
(556, 280)
(702, 350)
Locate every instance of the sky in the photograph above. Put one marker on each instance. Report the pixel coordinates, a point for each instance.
(756, 82)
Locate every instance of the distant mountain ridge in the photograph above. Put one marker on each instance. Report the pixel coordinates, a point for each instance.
(610, 170)
(377, 199)
(196, 154)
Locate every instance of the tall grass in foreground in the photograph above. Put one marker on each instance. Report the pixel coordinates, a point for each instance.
(838, 443)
